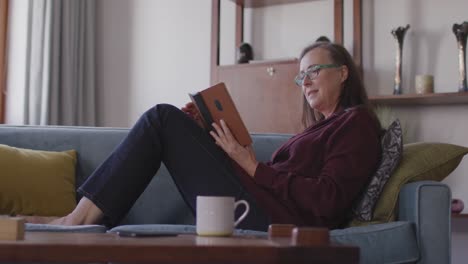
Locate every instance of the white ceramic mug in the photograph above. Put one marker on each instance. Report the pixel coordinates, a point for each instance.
(215, 215)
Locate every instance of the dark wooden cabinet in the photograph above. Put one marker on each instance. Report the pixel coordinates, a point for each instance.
(265, 95)
(264, 92)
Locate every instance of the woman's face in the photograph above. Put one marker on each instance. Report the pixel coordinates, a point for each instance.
(323, 92)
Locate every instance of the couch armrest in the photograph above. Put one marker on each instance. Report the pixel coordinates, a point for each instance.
(427, 205)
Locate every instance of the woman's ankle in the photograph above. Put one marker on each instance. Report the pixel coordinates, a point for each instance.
(85, 213)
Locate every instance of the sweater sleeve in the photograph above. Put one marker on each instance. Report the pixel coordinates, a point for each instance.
(351, 155)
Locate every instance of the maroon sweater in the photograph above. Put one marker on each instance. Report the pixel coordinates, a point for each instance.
(315, 176)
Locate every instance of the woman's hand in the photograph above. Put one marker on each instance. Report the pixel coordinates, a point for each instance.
(191, 110)
(244, 156)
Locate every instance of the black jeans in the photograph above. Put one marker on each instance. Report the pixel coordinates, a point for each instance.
(197, 165)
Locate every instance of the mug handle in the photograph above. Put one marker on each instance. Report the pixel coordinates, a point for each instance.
(247, 208)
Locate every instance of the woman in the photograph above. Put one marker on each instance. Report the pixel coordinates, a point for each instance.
(311, 180)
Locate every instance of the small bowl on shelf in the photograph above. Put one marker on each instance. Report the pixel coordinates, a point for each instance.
(457, 206)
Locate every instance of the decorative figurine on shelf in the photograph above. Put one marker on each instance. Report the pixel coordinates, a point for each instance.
(322, 39)
(244, 53)
(399, 35)
(461, 31)
(457, 206)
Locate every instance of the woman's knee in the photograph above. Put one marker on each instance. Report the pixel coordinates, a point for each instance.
(162, 112)
(166, 108)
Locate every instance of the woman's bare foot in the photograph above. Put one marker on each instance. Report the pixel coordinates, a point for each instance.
(39, 219)
(85, 213)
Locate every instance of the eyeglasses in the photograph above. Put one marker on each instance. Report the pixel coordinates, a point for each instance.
(312, 73)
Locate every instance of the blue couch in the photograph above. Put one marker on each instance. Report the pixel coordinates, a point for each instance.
(421, 233)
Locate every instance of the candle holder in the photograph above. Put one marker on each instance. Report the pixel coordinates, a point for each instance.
(461, 32)
(399, 35)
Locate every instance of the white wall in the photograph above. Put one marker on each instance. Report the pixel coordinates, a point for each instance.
(113, 61)
(149, 52)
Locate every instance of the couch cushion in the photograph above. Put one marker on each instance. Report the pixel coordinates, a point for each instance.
(383, 243)
(93, 145)
(34, 182)
(69, 229)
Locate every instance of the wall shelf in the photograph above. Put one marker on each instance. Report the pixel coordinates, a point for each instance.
(460, 216)
(265, 63)
(421, 99)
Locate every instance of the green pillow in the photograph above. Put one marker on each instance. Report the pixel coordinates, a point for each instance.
(36, 182)
(420, 161)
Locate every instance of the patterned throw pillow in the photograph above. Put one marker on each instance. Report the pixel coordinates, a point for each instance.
(392, 148)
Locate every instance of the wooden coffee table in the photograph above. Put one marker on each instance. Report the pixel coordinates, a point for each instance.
(84, 247)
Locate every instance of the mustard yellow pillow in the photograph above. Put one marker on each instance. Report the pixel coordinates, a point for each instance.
(420, 161)
(36, 182)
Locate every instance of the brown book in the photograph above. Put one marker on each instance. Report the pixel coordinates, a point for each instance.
(214, 104)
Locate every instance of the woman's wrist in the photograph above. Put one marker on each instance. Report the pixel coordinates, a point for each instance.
(252, 168)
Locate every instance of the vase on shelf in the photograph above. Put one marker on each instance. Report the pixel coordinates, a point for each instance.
(461, 32)
(399, 35)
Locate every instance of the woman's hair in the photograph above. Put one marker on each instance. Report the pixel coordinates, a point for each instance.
(322, 38)
(353, 93)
